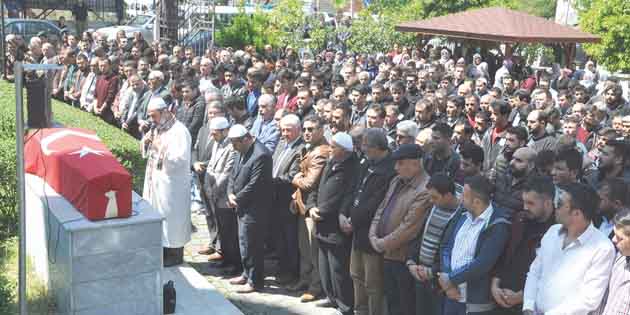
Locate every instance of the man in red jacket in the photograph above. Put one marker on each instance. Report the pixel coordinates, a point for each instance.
(105, 92)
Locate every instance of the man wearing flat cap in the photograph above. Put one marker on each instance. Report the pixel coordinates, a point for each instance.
(333, 198)
(250, 193)
(397, 221)
(167, 180)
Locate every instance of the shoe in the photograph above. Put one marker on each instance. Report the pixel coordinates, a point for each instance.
(325, 303)
(299, 286)
(215, 256)
(240, 280)
(307, 297)
(207, 251)
(246, 288)
(285, 279)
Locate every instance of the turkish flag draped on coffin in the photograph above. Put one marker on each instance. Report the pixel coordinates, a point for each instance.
(76, 164)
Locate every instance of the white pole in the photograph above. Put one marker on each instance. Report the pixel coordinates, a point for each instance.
(19, 144)
(156, 21)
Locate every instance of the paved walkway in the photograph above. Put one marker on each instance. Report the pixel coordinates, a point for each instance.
(273, 300)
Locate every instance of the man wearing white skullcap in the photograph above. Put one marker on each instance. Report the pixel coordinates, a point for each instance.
(250, 193)
(201, 155)
(333, 199)
(343, 140)
(221, 219)
(167, 180)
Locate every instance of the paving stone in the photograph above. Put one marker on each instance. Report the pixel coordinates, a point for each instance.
(273, 300)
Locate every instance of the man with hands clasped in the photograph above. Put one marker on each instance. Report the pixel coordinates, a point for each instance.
(527, 230)
(423, 259)
(366, 265)
(397, 221)
(475, 239)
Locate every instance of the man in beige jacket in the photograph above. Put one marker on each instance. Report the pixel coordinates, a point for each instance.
(397, 221)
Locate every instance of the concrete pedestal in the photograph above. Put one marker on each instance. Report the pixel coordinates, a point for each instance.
(93, 268)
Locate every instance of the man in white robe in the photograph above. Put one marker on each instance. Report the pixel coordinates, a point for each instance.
(167, 180)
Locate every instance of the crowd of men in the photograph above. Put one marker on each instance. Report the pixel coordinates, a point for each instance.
(410, 181)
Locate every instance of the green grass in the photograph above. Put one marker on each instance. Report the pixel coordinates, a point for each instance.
(38, 300)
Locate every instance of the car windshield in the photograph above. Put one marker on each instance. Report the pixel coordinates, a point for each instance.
(139, 20)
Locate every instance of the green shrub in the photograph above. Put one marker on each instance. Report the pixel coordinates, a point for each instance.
(8, 192)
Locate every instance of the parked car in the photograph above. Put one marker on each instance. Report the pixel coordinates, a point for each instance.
(29, 28)
(142, 23)
(92, 25)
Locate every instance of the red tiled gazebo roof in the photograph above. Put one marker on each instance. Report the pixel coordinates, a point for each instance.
(498, 25)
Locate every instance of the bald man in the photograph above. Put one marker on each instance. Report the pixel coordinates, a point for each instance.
(509, 186)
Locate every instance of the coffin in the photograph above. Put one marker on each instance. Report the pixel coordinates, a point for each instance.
(76, 164)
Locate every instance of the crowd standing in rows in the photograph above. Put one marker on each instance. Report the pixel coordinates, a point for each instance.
(411, 181)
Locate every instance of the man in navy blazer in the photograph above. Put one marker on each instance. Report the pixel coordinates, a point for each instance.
(250, 192)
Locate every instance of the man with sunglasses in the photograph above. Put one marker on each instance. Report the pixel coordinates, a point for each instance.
(312, 161)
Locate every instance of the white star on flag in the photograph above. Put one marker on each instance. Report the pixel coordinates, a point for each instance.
(87, 150)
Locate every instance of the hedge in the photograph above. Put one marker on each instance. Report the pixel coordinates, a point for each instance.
(124, 147)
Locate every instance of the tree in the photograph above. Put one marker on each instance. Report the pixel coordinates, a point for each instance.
(291, 27)
(609, 19)
(245, 30)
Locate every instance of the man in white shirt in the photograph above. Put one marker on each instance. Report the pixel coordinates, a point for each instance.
(571, 271)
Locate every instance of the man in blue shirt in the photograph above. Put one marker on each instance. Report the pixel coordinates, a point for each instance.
(474, 240)
(265, 128)
(254, 82)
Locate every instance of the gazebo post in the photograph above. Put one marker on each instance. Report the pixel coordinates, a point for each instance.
(508, 50)
(569, 53)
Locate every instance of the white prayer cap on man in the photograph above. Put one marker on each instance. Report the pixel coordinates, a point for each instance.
(237, 131)
(343, 140)
(156, 103)
(219, 123)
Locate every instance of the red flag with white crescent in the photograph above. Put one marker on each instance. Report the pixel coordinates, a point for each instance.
(76, 164)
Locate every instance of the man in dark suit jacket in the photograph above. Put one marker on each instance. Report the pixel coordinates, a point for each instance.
(334, 197)
(250, 191)
(139, 100)
(286, 164)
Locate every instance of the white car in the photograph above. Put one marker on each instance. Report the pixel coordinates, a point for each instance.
(142, 23)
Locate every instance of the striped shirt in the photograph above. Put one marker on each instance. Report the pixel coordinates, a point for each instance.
(617, 300)
(466, 238)
(432, 235)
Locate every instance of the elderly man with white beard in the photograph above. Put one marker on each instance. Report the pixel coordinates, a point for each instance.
(167, 179)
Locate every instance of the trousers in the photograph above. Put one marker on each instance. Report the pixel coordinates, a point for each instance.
(366, 270)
